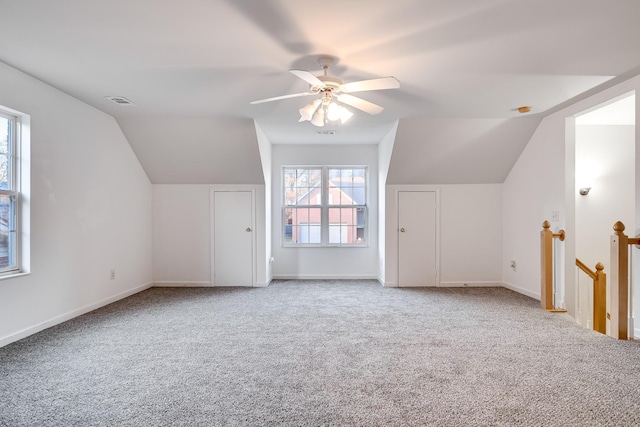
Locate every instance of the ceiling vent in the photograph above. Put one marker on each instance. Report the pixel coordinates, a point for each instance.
(326, 132)
(120, 100)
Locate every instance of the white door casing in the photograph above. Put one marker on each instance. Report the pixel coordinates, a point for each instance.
(417, 238)
(232, 249)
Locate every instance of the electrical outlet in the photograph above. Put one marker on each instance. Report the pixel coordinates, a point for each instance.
(112, 274)
(555, 216)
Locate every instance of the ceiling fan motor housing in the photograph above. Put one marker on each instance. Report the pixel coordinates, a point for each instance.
(330, 82)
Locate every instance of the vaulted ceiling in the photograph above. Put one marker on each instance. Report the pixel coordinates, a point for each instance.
(192, 67)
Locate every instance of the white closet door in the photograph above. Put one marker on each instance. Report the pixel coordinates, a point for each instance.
(417, 244)
(232, 250)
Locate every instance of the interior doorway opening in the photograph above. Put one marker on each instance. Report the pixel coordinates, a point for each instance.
(605, 191)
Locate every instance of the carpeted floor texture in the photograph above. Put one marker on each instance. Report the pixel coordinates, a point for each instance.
(320, 353)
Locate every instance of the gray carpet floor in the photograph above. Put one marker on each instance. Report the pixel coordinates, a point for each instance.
(320, 353)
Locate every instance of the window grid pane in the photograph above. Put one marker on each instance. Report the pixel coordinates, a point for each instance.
(302, 186)
(347, 186)
(302, 225)
(8, 196)
(5, 153)
(7, 231)
(346, 225)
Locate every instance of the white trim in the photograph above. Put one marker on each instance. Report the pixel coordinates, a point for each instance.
(254, 243)
(181, 284)
(262, 284)
(70, 315)
(324, 206)
(521, 290)
(6, 276)
(470, 284)
(325, 277)
(395, 217)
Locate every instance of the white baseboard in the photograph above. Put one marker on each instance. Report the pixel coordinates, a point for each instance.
(389, 284)
(470, 284)
(70, 315)
(188, 284)
(181, 284)
(636, 333)
(522, 291)
(325, 277)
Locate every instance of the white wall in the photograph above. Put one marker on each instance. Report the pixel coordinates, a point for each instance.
(306, 263)
(182, 233)
(265, 157)
(385, 150)
(605, 161)
(90, 211)
(470, 233)
(541, 181)
(609, 153)
(533, 189)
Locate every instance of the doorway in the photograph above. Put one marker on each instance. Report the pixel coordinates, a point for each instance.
(605, 152)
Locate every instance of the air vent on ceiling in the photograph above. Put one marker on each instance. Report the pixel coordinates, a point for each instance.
(120, 100)
(326, 132)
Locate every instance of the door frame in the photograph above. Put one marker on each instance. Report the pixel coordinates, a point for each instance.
(233, 189)
(392, 221)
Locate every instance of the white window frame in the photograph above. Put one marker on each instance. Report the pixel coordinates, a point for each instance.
(14, 174)
(324, 207)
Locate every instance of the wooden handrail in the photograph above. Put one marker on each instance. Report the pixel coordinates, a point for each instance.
(586, 269)
(599, 295)
(546, 267)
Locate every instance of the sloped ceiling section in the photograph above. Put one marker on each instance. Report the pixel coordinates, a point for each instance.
(195, 150)
(192, 67)
(458, 151)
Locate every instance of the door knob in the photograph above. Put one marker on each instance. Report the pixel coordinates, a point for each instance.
(248, 230)
(402, 230)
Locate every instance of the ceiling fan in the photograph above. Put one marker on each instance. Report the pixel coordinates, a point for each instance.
(332, 89)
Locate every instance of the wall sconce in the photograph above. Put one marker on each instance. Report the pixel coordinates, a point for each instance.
(584, 191)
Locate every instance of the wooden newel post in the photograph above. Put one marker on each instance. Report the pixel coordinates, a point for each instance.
(619, 282)
(600, 300)
(546, 267)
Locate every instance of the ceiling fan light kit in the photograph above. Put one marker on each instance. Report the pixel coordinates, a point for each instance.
(322, 110)
(306, 112)
(329, 87)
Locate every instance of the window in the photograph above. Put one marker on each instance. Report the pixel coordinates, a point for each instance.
(324, 206)
(9, 192)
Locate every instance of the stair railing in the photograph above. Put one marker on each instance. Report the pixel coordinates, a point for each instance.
(620, 306)
(546, 268)
(599, 314)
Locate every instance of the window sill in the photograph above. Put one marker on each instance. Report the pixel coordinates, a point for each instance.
(325, 246)
(13, 275)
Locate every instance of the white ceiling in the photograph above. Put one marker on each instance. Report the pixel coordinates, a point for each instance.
(619, 112)
(464, 63)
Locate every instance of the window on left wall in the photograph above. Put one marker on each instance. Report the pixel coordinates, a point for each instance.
(9, 193)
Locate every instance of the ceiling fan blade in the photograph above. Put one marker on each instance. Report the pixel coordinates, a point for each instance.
(307, 77)
(373, 84)
(277, 98)
(359, 103)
